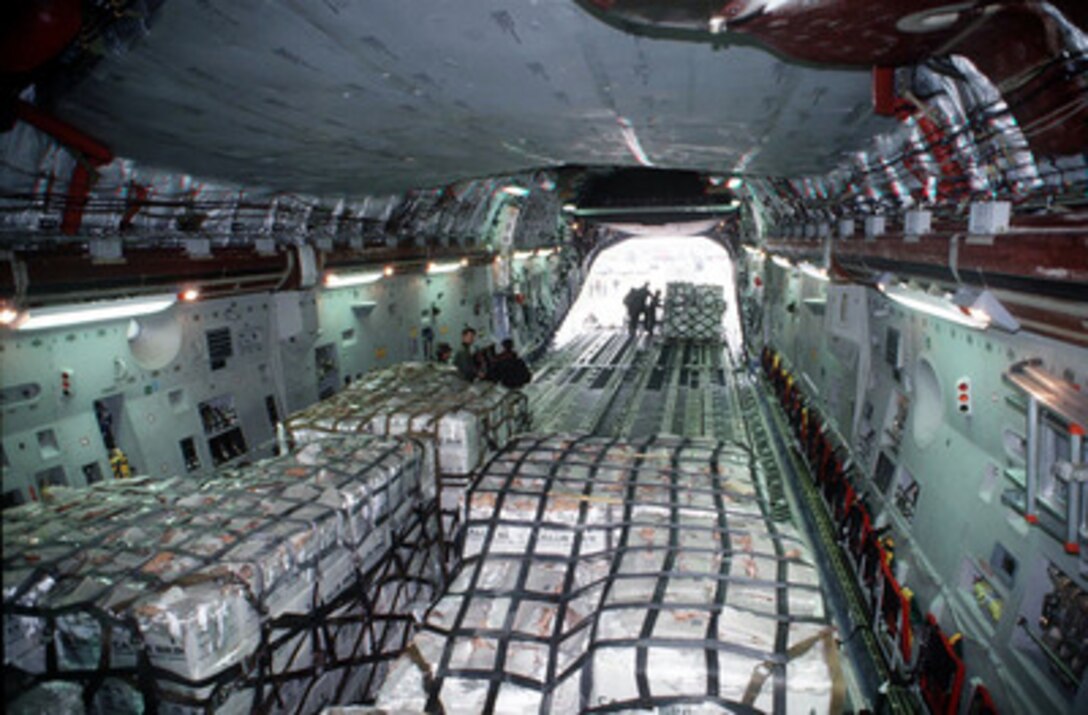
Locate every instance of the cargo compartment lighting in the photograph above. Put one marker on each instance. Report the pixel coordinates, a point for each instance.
(819, 274)
(62, 316)
(333, 280)
(984, 305)
(938, 307)
(433, 267)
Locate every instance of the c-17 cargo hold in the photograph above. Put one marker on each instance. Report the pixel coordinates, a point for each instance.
(799, 290)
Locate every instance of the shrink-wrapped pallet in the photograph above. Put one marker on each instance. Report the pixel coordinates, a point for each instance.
(693, 312)
(466, 421)
(626, 577)
(287, 582)
(462, 423)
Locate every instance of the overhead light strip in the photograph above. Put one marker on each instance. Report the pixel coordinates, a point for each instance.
(819, 274)
(434, 267)
(937, 307)
(636, 210)
(335, 280)
(68, 315)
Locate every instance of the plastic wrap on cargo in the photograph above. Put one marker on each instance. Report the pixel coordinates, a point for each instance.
(292, 580)
(623, 576)
(467, 421)
(693, 312)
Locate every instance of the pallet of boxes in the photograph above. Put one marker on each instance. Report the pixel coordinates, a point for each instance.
(284, 586)
(693, 312)
(607, 576)
(463, 423)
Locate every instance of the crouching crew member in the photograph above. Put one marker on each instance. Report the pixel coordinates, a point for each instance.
(509, 369)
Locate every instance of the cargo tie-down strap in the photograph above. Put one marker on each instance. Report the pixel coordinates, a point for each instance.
(291, 582)
(607, 576)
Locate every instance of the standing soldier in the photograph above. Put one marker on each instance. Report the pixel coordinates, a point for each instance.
(651, 312)
(633, 302)
(465, 360)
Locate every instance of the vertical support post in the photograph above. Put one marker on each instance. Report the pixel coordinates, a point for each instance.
(1074, 490)
(884, 94)
(1032, 471)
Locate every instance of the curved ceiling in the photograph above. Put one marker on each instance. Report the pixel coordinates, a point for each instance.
(352, 98)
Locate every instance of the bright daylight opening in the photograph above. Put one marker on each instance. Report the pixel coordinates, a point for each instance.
(658, 261)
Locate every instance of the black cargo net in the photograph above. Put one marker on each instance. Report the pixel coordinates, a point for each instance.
(602, 576)
(290, 584)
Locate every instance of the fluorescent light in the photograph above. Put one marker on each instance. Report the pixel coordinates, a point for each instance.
(515, 190)
(523, 255)
(814, 271)
(782, 262)
(433, 267)
(61, 316)
(984, 305)
(938, 307)
(544, 252)
(753, 251)
(333, 280)
(570, 208)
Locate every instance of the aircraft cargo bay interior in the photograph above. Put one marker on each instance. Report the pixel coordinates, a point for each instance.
(553, 356)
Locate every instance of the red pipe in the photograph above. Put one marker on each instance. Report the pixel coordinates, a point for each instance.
(79, 188)
(93, 150)
(88, 150)
(884, 99)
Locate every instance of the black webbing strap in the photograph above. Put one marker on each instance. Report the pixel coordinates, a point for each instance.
(586, 683)
(568, 578)
(519, 593)
(781, 640)
(713, 686)
(443, 669)
(642, 654)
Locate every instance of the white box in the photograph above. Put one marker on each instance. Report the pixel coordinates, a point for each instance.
(874, 226)
(988, 218)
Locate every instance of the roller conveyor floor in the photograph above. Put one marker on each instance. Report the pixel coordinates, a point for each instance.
(613, 384)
